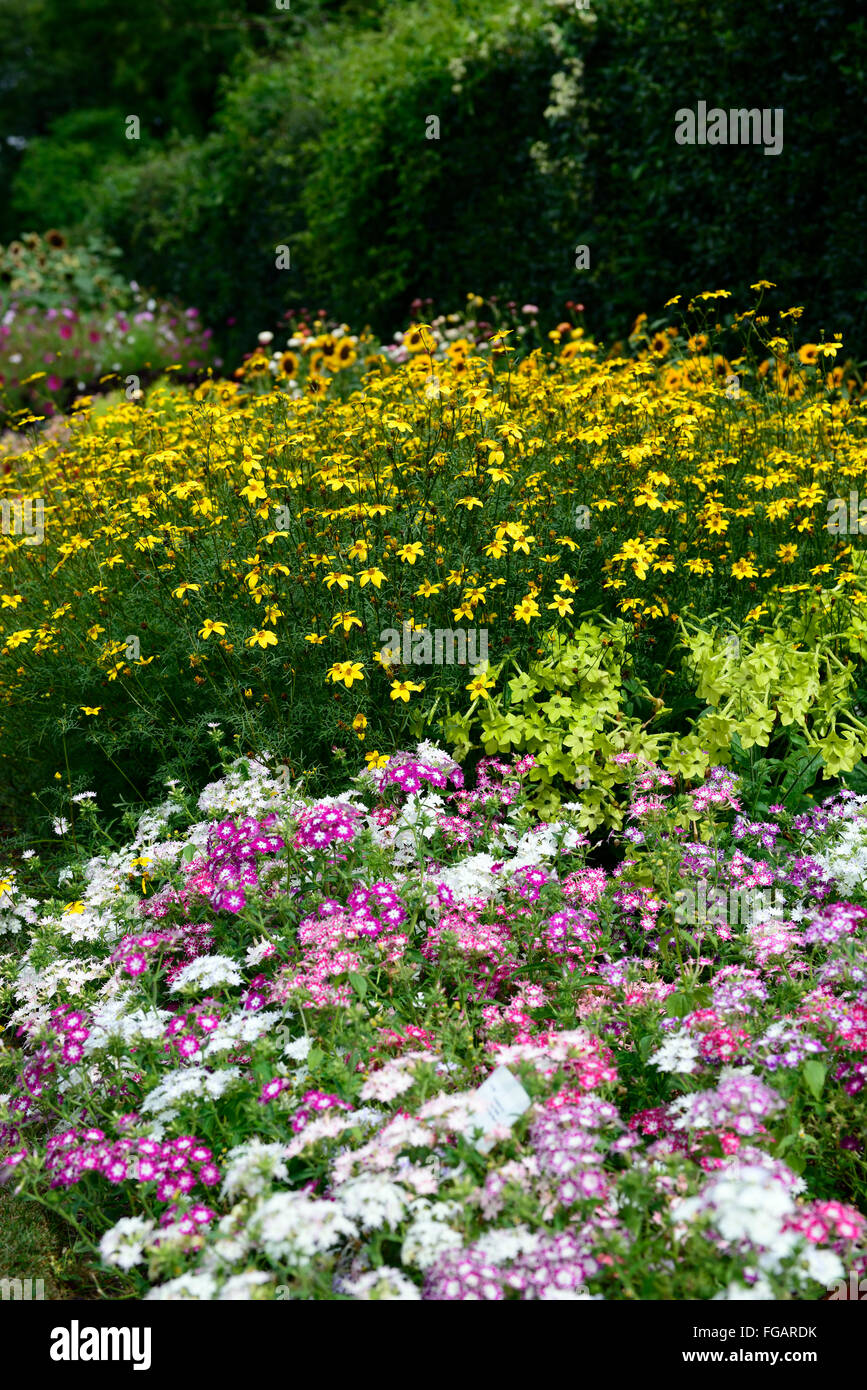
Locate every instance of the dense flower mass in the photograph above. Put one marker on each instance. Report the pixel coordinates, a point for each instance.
(413, 1043)
(468, 535)
(517, 948)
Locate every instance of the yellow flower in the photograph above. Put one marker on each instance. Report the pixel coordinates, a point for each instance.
(73, 909)
(376, 759)
(496, 548)
(342, 581)
(787, 553)
(480, 685)
(469, 503)
(401, 690)
(346, 671)
(90, 709)
(525, 610)
(255, 491)
(410, 553)
(372, 576)
(744, 569)
(314, 638)
(425, 589)
(563, 605)
(262, 637)
(209, 626)
(183, 588)
(359, 724)
(419, 338)
(347, 618)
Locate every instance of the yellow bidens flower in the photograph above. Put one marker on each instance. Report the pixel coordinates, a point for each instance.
(372, 576)
(90, 709)
(563, 605)
(346, 671)
(480, 685)
(348, 619)
(401, 690)
(262, 637)
(410, 553)
(209, 626)
(376, 759)
(525, 610)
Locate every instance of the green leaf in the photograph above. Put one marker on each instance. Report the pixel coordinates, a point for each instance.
(358, 982)
(188, 853)
(814, 1075)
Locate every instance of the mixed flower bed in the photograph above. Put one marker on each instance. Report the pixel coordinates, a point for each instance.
(70, 322)
(411, 1042)
(645, 556)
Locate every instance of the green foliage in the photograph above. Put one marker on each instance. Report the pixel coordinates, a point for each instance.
(56, 169)
(324, 149)
(46, 273)
(573, 710)
(570, 709)
(557, 129)
(783, 684)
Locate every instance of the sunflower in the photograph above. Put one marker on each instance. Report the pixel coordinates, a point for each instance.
(288, 364)
(328, 349)
(346, 353)
(419, 338)
(54, 238)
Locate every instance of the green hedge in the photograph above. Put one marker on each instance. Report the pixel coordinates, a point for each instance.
(556, 128)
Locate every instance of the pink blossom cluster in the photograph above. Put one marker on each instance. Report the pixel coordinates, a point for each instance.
(176, 1166)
